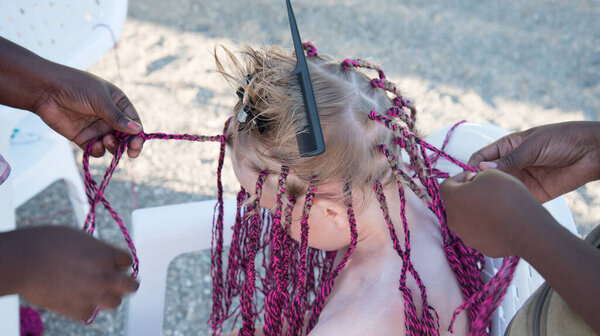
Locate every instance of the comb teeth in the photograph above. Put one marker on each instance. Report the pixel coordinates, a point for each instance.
(307, 145)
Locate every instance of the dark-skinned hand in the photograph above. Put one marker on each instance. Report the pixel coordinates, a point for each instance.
(550, 160)
(489, 209)
(74, 103)
(84, 107)
(65, 270)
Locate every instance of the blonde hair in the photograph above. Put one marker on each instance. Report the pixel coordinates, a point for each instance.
(344, 99)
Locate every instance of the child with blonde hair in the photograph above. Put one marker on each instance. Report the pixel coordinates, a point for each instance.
(355, 242)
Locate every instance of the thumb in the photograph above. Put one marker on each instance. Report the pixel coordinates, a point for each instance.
(119, 120)
(457, 179)
(450, 184)
(520, 158)
(117, 111)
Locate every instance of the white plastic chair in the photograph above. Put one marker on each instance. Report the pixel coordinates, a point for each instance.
(160, 235)
(163, 233)
(76, 33)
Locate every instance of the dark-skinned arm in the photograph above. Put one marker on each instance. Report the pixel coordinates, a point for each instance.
(64, 270)
(74, 103)
(496, 214)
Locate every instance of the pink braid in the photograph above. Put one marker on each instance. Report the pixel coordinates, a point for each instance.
(297, 324)
(247, 306)
(216, 251)
(288, 261)
(274, 302)
(387, 122)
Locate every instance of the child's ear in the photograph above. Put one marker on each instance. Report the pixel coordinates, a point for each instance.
(333, 211)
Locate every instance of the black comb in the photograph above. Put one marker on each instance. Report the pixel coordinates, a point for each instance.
(310, 139)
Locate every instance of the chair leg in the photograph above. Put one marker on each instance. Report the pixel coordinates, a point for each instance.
(73, 179)
(78, 198)
(9, 315)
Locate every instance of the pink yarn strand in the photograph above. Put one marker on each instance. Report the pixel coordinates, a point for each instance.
(95, 192)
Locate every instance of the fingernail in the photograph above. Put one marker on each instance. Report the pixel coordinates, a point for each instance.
(470, 176)
(488, 165)
(132, 125)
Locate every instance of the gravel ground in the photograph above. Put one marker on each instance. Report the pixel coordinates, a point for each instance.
(513, 63)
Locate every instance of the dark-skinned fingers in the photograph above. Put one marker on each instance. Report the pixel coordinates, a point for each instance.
(452, 184)
(462, 177)
(495, 150)
(127, 120)
(98, 149)
(91, 132)
(110, 142)
(115, 118)
(123, 284)
(487, 153)
(110, 301)
(125, 105)
(83, 313)
(135, 147)
(122, 259)
(522, 156)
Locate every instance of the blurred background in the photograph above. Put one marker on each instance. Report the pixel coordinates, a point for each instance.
(513, 63)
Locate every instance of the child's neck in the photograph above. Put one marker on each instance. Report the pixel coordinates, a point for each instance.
(374, 239)
(370, 278)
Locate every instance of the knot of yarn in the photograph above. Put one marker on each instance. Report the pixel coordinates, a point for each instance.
(310, 49)
(348, 63)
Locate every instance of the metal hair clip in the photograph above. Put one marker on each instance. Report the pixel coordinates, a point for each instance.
(248, 115)
(310, 139)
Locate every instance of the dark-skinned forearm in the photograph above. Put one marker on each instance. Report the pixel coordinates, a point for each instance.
(570, 265)
(11, 276)
(25, 78)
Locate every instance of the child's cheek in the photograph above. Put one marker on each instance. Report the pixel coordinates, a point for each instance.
(322, 234)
